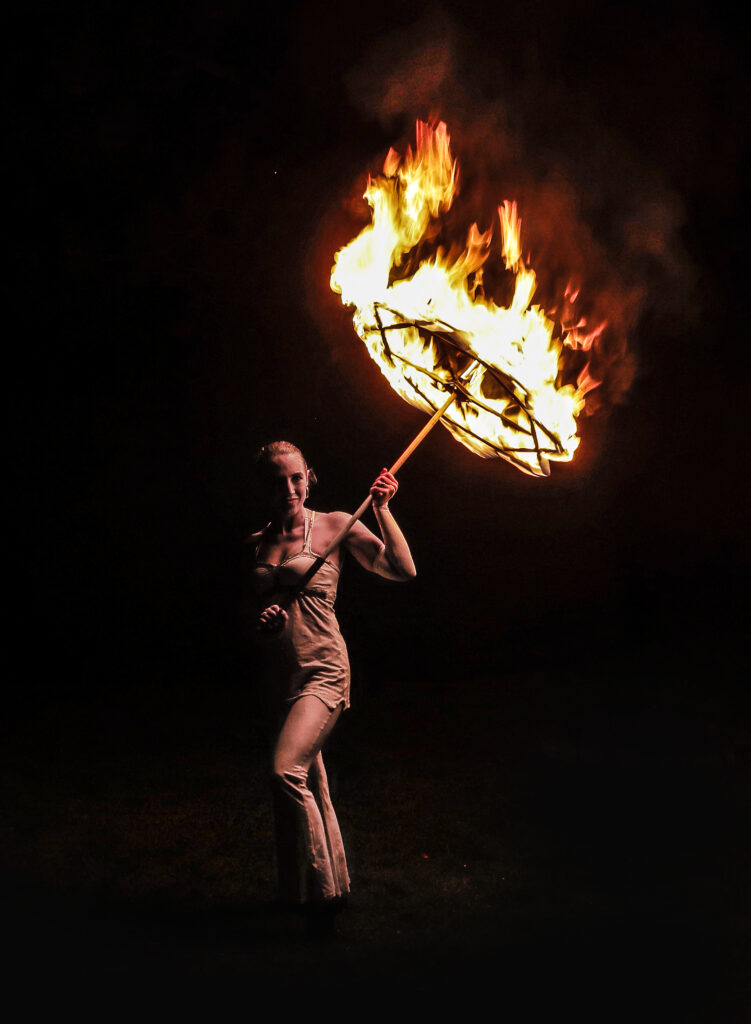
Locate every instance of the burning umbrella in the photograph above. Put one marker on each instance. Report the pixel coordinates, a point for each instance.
(490, 374)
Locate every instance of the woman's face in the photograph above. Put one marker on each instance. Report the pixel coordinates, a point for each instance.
(288, 483)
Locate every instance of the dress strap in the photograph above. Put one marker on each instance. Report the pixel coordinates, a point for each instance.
(261, 540)
(309, 520)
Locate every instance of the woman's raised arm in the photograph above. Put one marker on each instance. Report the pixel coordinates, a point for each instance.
(389, 557)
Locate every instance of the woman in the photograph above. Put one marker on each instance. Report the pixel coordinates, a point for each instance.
(305, 666)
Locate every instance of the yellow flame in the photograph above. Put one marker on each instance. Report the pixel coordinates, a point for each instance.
(429, 328)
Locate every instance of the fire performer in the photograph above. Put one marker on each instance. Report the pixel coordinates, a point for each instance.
(305, 674)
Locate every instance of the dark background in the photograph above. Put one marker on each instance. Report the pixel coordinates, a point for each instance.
(559, 692)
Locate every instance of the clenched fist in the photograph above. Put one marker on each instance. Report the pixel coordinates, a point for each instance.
(272, 619)
(384, 488)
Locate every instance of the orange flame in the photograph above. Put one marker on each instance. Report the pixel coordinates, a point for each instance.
(431, 330)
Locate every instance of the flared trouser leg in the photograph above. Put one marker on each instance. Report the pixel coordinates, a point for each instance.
(310, 853)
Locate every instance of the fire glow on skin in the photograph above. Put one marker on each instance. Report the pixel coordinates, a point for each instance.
(433, 333)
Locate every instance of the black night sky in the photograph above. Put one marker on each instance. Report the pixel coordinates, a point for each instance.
(556, 700)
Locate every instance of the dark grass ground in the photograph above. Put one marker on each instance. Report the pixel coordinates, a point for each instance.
(558, 842)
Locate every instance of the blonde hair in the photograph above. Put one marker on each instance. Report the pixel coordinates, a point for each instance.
(267, 453)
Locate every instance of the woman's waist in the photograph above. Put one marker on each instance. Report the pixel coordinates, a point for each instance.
(289, 579)
(315, 602)
(301, 645)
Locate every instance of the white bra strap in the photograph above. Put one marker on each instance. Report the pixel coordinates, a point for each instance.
(309, 520)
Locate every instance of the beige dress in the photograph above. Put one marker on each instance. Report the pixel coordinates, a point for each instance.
(308, 657)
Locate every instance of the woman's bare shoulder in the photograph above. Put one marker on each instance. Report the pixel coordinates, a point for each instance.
(252, 539)
(334, 519)
(328, 524)
(333, 522)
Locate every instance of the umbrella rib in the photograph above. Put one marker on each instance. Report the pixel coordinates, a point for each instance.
(387, 347)
(506, 452)
(500, 376)
(498, 448)
(463, 391)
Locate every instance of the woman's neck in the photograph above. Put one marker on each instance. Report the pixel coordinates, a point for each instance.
(283, 524)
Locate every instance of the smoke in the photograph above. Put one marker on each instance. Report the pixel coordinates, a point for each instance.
(406, 70)
(598, 220)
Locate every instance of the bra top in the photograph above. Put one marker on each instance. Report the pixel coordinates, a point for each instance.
(284, 575)
(310, 518)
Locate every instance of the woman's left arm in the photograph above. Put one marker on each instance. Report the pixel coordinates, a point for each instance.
(389, 557)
